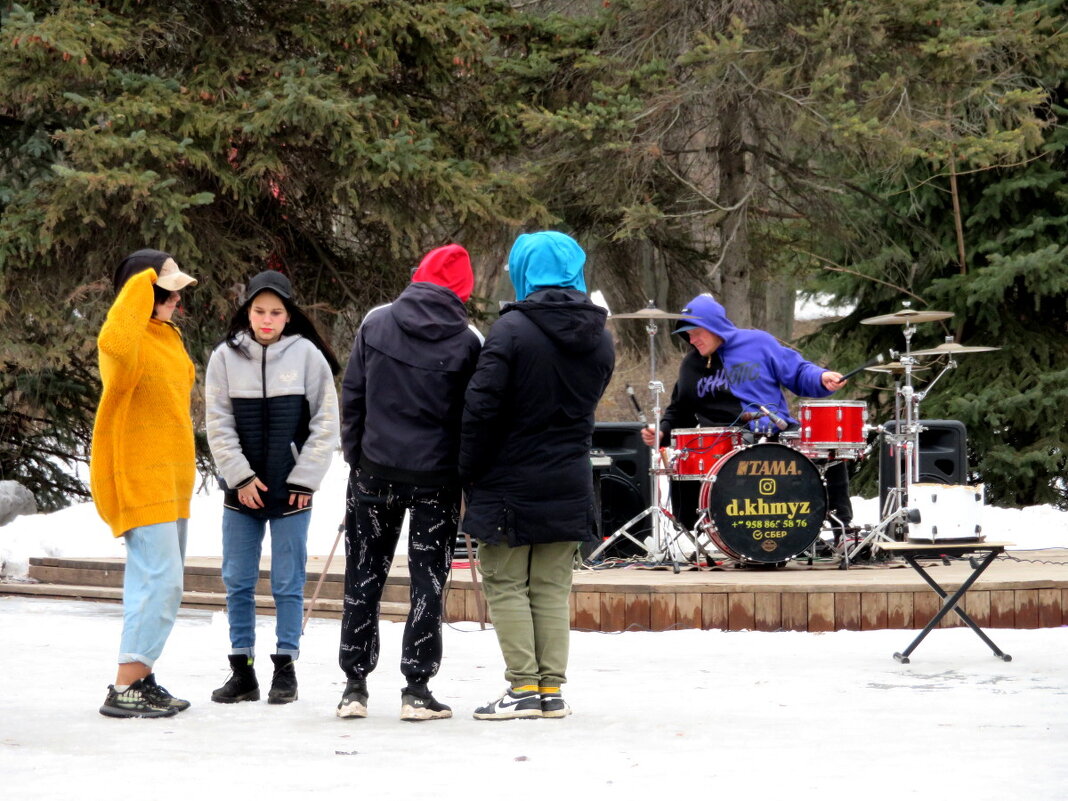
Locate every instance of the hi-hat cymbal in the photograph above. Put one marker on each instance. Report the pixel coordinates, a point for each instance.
(904, 316)
(894, 368)
(651, 314)
(952, 348)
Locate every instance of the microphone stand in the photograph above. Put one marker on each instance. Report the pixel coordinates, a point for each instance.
(658, 546)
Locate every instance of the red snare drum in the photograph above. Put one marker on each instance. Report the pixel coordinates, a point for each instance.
(697, 449)
(833, 429)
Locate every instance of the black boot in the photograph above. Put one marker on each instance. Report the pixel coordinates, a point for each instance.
(284, 681)
(242, 684)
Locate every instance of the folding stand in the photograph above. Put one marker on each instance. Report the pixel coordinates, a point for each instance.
(911, 551)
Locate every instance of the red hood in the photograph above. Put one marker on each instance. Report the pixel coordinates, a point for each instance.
(449, 267)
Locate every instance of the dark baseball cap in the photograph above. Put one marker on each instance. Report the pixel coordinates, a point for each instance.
(269, 280)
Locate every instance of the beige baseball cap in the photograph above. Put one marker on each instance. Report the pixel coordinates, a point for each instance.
(172, 278)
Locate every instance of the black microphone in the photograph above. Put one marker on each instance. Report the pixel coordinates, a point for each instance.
(634, 402)
(870, 363)
(746, 417)
(780, 424)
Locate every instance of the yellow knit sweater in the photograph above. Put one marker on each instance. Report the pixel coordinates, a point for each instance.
(142, 466)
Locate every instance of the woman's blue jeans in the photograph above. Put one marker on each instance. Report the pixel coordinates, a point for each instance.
(151, 589)
(242, 544)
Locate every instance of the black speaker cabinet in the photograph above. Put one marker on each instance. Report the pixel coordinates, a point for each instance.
(625, 486)
(943, 456)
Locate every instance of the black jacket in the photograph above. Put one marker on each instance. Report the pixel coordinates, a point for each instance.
(528, 421)
(402, 396)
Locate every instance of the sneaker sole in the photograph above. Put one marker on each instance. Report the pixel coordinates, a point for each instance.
(116, 712)
(251, 696)
(558, 713)
(353, 710)
(515, 714)
(417, 714)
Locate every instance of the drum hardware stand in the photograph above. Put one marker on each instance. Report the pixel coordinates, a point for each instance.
(905, 439)
(658, 547)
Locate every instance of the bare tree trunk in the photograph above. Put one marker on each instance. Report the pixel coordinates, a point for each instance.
(734, 263)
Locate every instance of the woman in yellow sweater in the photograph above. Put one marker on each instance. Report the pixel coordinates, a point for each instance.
(142, 468)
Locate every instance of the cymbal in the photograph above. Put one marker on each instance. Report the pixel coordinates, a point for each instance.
(905, 316)
(894, 368)
(651, 314)
(952, 348)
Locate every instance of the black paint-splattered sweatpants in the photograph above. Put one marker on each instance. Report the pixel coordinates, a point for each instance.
(374, 513)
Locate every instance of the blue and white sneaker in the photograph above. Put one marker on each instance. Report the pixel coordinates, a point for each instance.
(517, 702)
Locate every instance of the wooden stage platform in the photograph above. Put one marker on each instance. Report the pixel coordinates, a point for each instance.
(1021, 589)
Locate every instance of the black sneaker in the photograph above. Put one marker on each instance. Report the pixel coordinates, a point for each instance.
(133, 702)
(418, 703)
(159, 695)
(518, 702)
(284, 682)
(354, 700)
(553, 704)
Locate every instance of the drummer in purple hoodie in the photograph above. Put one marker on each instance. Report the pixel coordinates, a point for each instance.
(743, 368)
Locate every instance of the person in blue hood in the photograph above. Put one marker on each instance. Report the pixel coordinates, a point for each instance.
(524, 457)
(728, 376)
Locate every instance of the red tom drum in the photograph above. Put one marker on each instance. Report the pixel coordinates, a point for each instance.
(832, 429)
(697, 449)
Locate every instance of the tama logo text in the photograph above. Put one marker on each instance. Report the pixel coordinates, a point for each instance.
(781, 467)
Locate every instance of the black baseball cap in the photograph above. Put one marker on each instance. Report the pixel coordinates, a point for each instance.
(269, 280)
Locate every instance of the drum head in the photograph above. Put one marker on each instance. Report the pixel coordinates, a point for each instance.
(766, 502)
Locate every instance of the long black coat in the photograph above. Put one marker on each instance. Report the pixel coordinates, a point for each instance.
(528, 421)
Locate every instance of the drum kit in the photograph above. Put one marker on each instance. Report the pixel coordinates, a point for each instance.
(763, 499)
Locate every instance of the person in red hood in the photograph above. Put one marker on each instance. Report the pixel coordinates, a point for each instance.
(401, 405)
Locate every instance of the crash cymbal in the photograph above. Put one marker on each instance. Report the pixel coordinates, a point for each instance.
(903, 316)
(652, 313)
(952, 348)
(894, 368)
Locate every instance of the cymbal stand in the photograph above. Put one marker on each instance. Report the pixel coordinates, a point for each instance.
(658, 546)
(905, 439)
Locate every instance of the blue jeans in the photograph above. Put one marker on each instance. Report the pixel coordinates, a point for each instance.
(242, 543)
(151, 589)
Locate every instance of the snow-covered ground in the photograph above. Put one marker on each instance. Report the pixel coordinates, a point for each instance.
(672, 715)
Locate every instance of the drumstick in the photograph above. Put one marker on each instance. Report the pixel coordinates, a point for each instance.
(634, 401)
(870, 363)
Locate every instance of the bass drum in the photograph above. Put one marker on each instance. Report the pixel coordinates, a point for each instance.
(764, 503)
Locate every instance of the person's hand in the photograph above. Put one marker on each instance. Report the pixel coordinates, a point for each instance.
(249, 495)
(647, 436)
(832, 381)
(299, 499)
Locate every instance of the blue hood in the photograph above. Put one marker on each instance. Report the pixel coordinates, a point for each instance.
(710, 315)
(544, 259)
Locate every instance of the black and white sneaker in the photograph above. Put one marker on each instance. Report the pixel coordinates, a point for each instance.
(133, 702)
(517, 702)
(159, 695)
(354, 700)
(553, 704)
(418, 703)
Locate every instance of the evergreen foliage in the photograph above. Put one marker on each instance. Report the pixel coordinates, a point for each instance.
(334, 140)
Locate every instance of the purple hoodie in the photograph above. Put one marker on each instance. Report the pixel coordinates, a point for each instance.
(757, 365)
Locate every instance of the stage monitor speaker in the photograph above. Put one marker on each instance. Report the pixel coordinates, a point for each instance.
(943, 456)
(625, 486)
